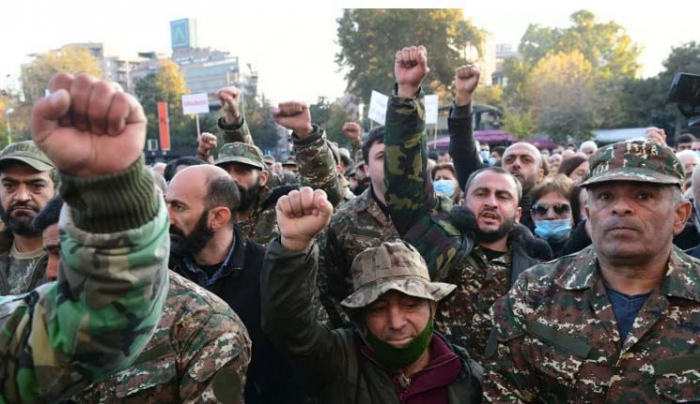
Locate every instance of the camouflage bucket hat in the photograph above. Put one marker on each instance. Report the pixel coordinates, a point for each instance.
(635, 160)
(239, 152)
(394, 265)
(25, 152)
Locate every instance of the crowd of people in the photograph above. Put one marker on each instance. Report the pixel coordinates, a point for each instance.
(383, 273)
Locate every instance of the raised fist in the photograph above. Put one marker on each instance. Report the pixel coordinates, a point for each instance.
(295, 116)
(207, 143)
(410, 68)
(88, 128)
(301, 215)
(352, 131)
(656, 135)
(466, 81)
(229, 97)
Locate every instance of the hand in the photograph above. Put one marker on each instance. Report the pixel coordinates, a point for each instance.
(656, 135)
(295, 116)
(410, 68)
(229, 97)
(352, 131)
(466, 81)
(88, 128)
(207, 143)
(301, 215)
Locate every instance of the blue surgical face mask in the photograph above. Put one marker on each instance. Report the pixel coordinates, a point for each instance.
(484, 155)
(553, 230)
(492, 161)
(445, 187)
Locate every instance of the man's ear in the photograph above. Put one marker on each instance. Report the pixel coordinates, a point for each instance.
(264, 176)
(219, 217)
(683, 212)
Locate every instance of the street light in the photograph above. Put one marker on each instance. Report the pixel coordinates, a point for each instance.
(9, 129)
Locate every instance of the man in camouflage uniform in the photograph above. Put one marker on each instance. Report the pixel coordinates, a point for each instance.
(392, 355)
(485, 272)
(27, 177)
(199, 351)
(99, 315)
(260, 188)
(617, 322)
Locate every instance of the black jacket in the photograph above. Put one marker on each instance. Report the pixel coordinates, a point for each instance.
(271, 377)
(528, 251)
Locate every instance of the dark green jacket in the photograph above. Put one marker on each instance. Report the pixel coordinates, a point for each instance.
(339, 371)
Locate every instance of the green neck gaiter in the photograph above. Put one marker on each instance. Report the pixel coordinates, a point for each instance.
(398, 358)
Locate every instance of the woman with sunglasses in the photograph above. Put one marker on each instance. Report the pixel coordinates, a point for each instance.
(551, 211)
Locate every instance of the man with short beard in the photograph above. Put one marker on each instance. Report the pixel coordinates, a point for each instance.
(503, 249)
(524, 161)
(27, 184)
(210, 250)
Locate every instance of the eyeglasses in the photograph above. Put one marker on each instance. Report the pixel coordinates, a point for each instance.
(560, 209)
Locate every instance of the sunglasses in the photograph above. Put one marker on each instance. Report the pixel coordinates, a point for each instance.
(560, 209)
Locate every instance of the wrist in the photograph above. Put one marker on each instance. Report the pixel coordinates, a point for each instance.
(303, 131)
(231, 117)
(407, 91)
(463, 99)
(296, 244)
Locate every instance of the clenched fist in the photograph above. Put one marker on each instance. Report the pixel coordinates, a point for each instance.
(466, 81)
(295, 116)
(410, 68)
(656, 135)
(87, 127)
(301, 215)
(229, 97)
(352, 131)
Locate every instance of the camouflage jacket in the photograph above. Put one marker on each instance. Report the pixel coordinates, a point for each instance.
(409, 192)
(340, 367)
(199, 353)
(558, 340)
(316, 170)
(101, 312)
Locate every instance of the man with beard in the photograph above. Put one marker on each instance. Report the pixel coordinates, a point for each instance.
(27, 181)
(489, 215)
(524, 161)
(208, 249)
(244, 161)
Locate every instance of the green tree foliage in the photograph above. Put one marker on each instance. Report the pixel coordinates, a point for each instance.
(168, 85)
(519, 124)
(72, 59)
(265, 131)
(369, 40)
(331, 117)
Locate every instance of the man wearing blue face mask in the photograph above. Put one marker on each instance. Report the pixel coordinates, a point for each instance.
(551, 211)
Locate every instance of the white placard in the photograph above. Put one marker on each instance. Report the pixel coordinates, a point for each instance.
(431, 109)
(195, 104)
(377, 107)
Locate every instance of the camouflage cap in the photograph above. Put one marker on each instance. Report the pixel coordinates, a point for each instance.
(239, 152)
(290, 161)
(393, 265)
(635, 160)
(25, 152)
(269, 159)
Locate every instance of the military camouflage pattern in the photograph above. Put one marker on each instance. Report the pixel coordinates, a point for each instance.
(464, 317)
(235, 132)
(635, 160)
(22, 275)
(26, 152)
(558, 340)
(95, 319)
(410, 198)
(199, 353)
(239, 152)
(261, 225)
(394, 265)
(355, 226)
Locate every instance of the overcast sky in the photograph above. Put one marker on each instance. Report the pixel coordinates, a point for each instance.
(293, 45)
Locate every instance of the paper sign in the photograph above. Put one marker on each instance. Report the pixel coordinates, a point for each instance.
(195, 104)
(431, 109)
(377, 107)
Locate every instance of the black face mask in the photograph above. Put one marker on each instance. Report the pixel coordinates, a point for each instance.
(194, 242)
(21, 223)
(248, 197)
